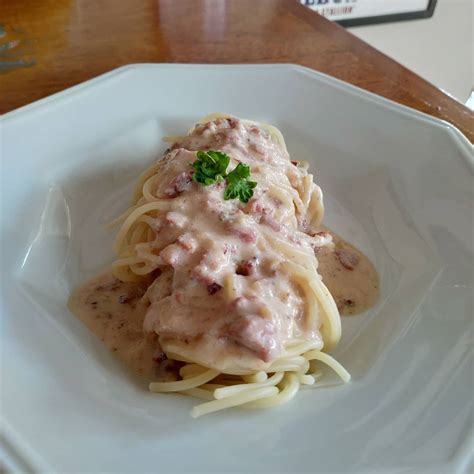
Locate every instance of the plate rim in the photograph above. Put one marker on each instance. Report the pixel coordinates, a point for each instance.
(18, 451)
(456, 134)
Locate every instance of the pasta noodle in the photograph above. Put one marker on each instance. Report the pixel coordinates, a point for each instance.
(282, 237)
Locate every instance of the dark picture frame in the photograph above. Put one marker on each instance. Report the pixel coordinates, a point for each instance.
(372, 20)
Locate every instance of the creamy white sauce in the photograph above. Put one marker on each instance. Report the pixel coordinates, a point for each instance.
(356, 289)
(115, 311)
(212, 313)
(222, 299)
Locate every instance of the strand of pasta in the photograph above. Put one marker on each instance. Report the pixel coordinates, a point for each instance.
(303, 165)
(229, 285)
(300, 276)
(315, 209)
(271, 391)
(304, 259)
(151, 221)
(295, 364)
(286, 202)
(190, 370)
(214, 386)
(150, 171)
(199, 393)
(300, 347)
(306, 193)
(289, 200)
(149, 234)
(143, 209)
(255, 378)
(331, 362)
(146, 191)
(137, 233)
(143, 269)
(306, 379)
(132, 267)
(239, 399)
(125, 273)
(184, 384)
(236, 389)
(331, 322)
(331, 331)
(291, 386)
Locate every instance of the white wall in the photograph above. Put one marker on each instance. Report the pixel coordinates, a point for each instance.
(440, 48)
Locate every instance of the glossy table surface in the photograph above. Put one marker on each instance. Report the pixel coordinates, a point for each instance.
(49, 45)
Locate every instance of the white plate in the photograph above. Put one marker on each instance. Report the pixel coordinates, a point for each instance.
(397, 183)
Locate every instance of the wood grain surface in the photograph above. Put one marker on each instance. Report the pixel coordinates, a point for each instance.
(49, 45)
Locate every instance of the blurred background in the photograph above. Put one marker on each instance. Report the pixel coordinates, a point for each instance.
(439, 48)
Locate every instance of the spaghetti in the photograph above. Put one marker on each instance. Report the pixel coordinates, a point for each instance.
(236, 296)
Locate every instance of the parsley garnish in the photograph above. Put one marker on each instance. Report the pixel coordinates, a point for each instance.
(211, 168)
(238, 186)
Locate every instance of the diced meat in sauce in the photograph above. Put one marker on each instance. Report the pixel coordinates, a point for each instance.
(256, 207)
(246, 234)
(256, 334)
(345, 302)
(123, 299)
(159, 356)
(213, 288)
(320, 241)
(187, 242)
(257, 148)
(272, 223)
(203, 275)
(211, 264)
(322, 234)
(172, 255)
(179, 184)
(176, 219)
(247, 267)
(347, 258)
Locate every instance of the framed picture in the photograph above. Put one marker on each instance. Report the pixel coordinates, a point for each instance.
(365, 12)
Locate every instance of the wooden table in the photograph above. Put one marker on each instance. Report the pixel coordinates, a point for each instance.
(49, 45)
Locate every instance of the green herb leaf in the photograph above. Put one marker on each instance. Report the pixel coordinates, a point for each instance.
(210, 167)
(242, 190)
(238, 186)
(241, 171)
